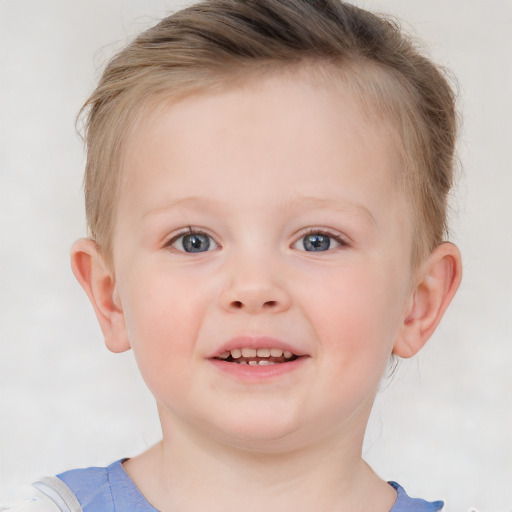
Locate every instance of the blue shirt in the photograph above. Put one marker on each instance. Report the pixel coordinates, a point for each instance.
(110, 489)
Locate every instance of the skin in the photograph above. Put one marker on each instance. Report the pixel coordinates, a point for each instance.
(257, 169)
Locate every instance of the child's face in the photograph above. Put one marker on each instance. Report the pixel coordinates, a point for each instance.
(264, 217)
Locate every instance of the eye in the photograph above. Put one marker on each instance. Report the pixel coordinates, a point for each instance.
(193, 242)
(318, 241)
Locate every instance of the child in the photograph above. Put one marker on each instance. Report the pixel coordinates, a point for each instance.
(266, 191)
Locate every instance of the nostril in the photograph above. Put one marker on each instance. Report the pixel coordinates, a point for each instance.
(270, 304)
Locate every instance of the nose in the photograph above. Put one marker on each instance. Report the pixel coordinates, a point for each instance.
(255, 287)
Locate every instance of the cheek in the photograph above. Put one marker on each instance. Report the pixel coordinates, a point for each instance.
(357, 313)
(163, 317)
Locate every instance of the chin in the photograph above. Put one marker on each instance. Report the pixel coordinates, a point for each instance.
(259, 432)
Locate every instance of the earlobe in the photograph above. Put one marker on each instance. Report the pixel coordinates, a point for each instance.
(98, 283)
(439, 279)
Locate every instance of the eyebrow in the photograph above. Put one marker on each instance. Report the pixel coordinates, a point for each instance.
(300, 203)
(338, 204)
(203, 202)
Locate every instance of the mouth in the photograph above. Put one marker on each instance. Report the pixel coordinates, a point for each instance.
(258, 359)
(257, 356)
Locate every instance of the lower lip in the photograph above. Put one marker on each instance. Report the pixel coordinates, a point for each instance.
(257, 373)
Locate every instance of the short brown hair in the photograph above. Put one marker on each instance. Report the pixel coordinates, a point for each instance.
(217, 42)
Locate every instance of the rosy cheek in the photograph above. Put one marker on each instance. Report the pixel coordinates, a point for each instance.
(164, 321)
(352, 312)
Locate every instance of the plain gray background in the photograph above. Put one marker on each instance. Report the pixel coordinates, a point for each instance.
(442, 426)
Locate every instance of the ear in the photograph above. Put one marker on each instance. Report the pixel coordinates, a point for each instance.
(438, 281)
(99, 284)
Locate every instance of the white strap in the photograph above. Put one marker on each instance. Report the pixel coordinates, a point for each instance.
(26, 498)
(59, 493)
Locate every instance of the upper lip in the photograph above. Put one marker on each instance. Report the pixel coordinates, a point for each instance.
(255, 342)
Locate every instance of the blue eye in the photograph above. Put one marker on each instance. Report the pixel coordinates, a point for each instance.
(194, 242)
(318, 242)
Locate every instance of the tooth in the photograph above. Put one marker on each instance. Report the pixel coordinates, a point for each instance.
(276, 352)
(249, 352)
(236, 353)
(287, 354)
(253, 362)
(224, 355)
(264, 363)
(263, 352)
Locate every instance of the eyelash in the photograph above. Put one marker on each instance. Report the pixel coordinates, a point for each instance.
(311, 231)
(188, 231)
(322, 231)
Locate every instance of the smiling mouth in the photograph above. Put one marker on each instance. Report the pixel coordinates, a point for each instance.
(257, 357)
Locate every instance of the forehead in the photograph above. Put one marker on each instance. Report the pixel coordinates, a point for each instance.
(288, 112)
(269, 142)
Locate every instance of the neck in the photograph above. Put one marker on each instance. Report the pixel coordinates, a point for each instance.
(329, 475)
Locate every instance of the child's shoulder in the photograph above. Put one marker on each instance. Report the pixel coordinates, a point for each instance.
(404, 503)
(90, 486)
(105, 489)
(93, 489)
